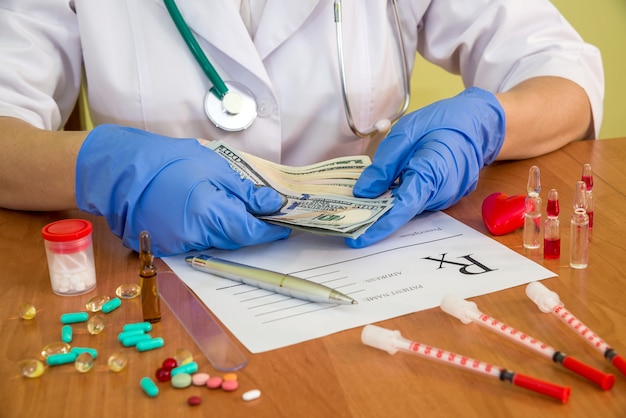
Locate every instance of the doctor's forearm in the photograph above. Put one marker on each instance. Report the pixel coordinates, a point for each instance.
(542, 115)
(37, 167)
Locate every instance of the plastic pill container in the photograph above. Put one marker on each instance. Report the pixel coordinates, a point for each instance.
(69, 249)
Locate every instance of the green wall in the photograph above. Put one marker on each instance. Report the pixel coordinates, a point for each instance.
(601, 23)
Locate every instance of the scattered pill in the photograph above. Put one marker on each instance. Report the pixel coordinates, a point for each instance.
(94, 304)
(183, 356)
(56, 347)
(117, 362)
(214, 382)
(74, 317)
(181, 380)
(128, 290)
(66, 334)
(125, 334)
(251, 395)
(194, 400)
(230, 376)
(141, 326)
(169, 363)
(84, 362)
(27, 310)
(200, 379)
(150, 344)
(134, 339)
(189, 368)
(111, 305)
(230, 385)
(163, 375)
(31, 368)
(95, 325)
(80, 350)
(149, 387)
(58, 359)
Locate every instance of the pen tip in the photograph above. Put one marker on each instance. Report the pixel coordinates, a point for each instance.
(189, 259)
(354, 302)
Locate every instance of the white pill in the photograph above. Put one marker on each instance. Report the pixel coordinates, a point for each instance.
(251, 395)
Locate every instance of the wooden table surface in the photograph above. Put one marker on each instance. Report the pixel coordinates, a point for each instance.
(337, 375)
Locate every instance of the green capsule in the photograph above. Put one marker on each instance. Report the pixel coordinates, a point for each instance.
(125, 334)
(149, 387)
(150, 344)
(80, 350)
(111, 305)
(66, 334)
(58, 359)
(132, 340)
(189, 368)
(143, 326)
(74, 317)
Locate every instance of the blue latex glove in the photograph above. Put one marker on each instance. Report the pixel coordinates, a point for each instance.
(185, 195)
(436, 154)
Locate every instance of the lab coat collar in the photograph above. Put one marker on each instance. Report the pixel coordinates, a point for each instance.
(220, 24)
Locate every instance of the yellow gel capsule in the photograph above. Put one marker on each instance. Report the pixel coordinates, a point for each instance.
(94, 304)
(27, 310)
(128, 290)
(31, 368)
(84, 362)
(183, 356)
(56, 347)
(95, 325)
(118, 361)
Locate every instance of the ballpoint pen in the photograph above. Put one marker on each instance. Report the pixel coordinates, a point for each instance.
(284, 284)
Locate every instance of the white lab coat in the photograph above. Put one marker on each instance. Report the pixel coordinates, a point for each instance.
(140, 73)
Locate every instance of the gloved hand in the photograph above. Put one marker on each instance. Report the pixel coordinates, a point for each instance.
(185, 195)
(435, 153)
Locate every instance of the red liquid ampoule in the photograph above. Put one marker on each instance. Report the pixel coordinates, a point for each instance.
(552, 229)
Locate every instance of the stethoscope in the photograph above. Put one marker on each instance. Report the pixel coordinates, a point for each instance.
(231, 106)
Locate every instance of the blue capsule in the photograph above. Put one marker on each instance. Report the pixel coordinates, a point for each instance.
(79, 350)
(143, 326)
(134, 339)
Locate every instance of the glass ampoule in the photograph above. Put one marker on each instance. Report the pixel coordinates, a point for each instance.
(150, 301)
(579, 229)
(587, 177)
(552, 228)
(532, 210)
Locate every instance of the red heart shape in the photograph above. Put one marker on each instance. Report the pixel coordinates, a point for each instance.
(503, 213)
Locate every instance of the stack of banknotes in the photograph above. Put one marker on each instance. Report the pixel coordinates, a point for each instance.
(318, 197)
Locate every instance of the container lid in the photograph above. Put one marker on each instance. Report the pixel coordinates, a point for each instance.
(66, 230)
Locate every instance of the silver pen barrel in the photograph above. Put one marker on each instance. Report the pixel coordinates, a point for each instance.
(284, 284)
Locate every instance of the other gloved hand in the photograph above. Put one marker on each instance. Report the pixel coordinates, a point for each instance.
(435, 153)
(185, 195)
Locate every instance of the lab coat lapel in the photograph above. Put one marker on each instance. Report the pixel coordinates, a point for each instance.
(219, 23)
(279, 21)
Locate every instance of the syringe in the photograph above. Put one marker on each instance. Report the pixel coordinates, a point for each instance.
(548, 301)
(392, 342)
(468, 312)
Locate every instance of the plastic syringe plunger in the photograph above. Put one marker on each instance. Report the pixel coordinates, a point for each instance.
(465, 311)
(381, 338)
(544, 298)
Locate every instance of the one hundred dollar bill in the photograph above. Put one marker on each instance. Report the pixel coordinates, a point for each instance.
(318, 197)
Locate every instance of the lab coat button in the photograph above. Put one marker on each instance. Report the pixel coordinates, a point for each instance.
(265, 108)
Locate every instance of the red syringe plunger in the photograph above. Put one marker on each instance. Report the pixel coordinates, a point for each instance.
(561, 393)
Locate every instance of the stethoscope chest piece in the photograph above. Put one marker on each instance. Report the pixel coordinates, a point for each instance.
(235, 111)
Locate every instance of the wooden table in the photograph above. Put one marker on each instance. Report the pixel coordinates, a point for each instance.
(337, 375)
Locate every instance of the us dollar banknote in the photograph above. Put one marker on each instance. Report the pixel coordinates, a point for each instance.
(318, 197)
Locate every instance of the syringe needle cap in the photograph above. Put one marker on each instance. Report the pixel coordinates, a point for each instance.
(381, 338)
(544, 298)
(465, 311)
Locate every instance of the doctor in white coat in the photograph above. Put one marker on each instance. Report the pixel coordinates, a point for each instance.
(533, 85)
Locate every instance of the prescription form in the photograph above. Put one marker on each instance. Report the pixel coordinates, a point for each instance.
(412, 270)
